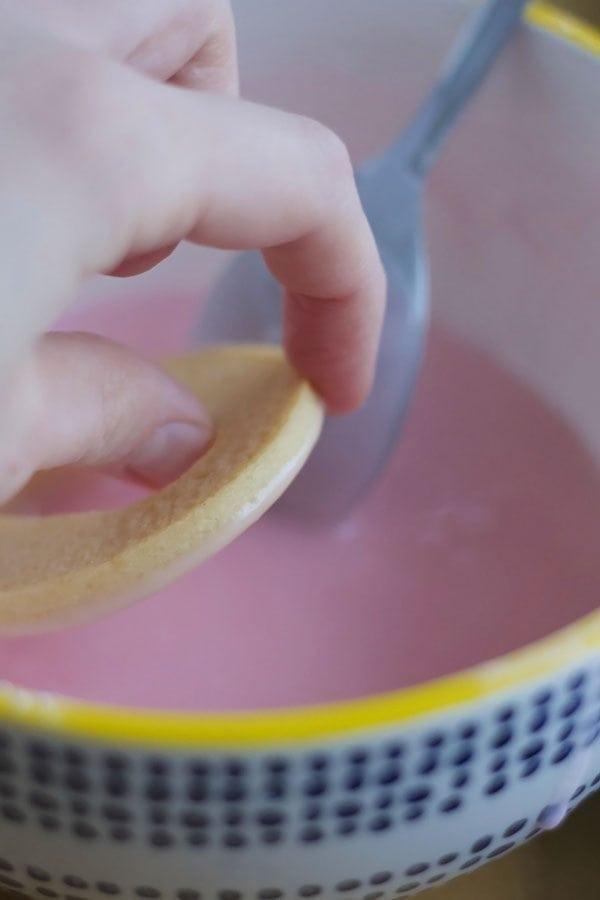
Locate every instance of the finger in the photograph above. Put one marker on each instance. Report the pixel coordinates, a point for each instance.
(196, 48)
(82, 400)
(136, 264)
(232, 174)
(214, 66)
(191, 42)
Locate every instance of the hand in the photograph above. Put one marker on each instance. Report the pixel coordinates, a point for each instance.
(121, 135)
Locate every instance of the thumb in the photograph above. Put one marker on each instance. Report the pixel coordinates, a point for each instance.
(86, 401)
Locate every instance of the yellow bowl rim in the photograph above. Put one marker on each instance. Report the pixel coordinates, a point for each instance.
(279, 727)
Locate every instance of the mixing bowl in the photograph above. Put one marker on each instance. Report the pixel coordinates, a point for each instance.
(391, 793)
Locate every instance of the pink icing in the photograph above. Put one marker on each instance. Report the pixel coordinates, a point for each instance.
(480, 537)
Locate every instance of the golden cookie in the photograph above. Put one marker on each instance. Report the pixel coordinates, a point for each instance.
(59, 570)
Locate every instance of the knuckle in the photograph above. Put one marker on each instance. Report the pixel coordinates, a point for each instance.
(331, 184)
(329, 151)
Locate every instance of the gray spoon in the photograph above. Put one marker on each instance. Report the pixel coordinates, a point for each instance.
(245, 304)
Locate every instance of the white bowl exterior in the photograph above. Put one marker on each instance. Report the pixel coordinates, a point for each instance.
(385, 812)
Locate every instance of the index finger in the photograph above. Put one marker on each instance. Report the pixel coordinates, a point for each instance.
(232, 174)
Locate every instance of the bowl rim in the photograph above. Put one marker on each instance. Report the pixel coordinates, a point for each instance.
(564, 648)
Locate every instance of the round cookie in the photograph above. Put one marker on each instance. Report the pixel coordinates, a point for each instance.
(59, 570)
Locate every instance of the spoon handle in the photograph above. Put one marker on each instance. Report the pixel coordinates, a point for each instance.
(485, 36)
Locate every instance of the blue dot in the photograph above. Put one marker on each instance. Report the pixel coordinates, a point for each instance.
(592, 737)
(482, 843)
(495, 785)
(277, 765)
(413, 813)
(235, 768)
(384, 801)
(562, 753)
(576, 794)
(233, 817)
(234, 840)
(447, 859)
(315, 787)
(234, 793)
(498, 763)
(310, 890)
(318, 762)
(311, 834)
(380, 823)
(532, 749)
(538, 721)
(418, 794)
(502, 737)
(451, 804)
(348, 808)
(275, 789)
(566, 731)
(428, 764)
(461, 780)
(464, 755)
(272, 836)
(505, 714)
(197, 839)
(351, 884)
(571, 706)
(417, 869)
(468, 731)
(359, 756)
(394, 750)
(515, 828)
(577, 681)
(499, 851)
(270, 817)
(354, 781)
(380, 878)
(346, 828)
(436, 739)
(312, 811)
(530, 767)
(390, 774)
(543, 697)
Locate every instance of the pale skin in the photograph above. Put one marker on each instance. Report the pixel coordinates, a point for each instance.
(122, 133)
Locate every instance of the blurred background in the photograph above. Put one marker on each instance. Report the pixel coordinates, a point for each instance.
(588, 9)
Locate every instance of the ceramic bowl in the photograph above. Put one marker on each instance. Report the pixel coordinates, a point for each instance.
(389, 794)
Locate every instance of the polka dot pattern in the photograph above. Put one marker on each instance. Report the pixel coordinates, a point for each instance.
(377, 886)
(375, 789)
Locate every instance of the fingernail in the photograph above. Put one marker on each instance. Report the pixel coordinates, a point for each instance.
(169, 452)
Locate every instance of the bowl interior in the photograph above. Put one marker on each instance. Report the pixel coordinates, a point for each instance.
(482, 534)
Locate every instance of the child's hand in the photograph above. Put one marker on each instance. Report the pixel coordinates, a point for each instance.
(106, 163)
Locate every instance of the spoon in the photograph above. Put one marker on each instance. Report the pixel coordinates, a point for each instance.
(245, 304)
